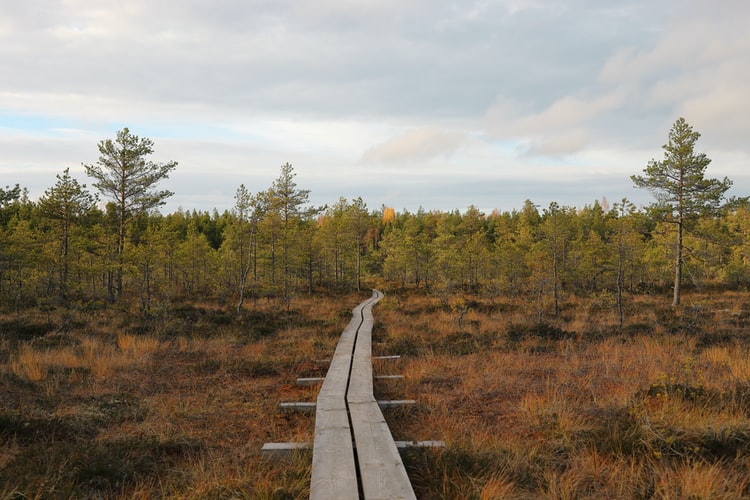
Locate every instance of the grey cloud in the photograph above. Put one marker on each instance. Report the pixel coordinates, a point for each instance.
(692, 63)
(550, 79)
(324, 58)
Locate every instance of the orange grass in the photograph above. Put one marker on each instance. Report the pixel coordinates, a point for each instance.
(572, 407)
(179, 408)
(577, 409)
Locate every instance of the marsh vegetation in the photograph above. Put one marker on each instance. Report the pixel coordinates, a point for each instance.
(99, 403)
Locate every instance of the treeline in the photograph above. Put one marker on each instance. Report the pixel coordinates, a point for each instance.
(71, 249)
(273, 244)
(65, 250)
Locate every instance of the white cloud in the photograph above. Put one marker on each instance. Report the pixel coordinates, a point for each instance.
(413, 146)
(698, 69)
(457, 95)
(567, 112)
(561, 128)
(560, 144)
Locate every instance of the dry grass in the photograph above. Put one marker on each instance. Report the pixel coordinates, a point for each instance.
(29, 364)
(103, 405)
(576, 408)
(91, 355)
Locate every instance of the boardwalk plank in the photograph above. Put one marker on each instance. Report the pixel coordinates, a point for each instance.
(334, 471)
(333, 467)
(382, 472)
(344, 414)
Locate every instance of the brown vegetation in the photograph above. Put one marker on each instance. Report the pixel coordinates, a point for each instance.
(104, 405)
(576, 408)
(107, 404)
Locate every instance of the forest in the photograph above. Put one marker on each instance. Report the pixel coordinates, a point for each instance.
(272, 244)
(71, 248)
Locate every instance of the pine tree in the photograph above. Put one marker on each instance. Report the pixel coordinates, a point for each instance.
(681, 189)
(124, 175)
(288, 204)
(66, 202)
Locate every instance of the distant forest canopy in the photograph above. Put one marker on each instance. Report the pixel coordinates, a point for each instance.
(66, 250)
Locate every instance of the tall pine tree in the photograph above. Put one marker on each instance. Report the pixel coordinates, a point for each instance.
(681, 189)
(124, 175)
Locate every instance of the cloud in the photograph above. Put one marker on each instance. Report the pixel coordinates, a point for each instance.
(697, 69)
(561, 144)
(715, 112)
(694, 65)
(418, 145)
(323, 59)
(434, 88)
(560, 129)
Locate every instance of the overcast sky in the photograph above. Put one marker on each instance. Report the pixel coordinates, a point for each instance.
(406, 103)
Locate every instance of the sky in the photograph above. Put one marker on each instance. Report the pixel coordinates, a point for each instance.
(435, 104)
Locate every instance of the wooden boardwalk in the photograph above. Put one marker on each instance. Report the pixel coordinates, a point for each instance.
(354, 454)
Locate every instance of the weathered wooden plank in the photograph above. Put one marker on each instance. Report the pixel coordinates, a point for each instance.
(310, 380)
(308, 407)
(395, 403)
(382, 473)
(334, 474)
(275, 451)
(306, 381)
(300, 406)
(285, 450)
(403, 445)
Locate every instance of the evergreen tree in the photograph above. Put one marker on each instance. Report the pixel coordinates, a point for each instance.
(8, 197)
(124, 175)
(66, 202)
(625, 241)
(555, 232)
(9, 194)
(288, 204)
(681, 189)
(242, 237)
(358, 226)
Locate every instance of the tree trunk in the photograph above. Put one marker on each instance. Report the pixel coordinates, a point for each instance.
(555, 291)
(241, 301)
(620, 283)
(678, 266)
(310, 267)
(147, 283)
(65, 265)
(120, 249)
(359, 267)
